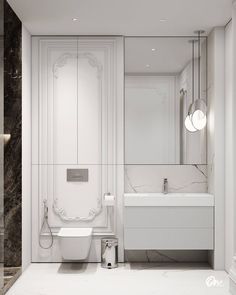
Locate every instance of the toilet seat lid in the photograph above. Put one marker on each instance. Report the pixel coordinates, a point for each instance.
(75, 232)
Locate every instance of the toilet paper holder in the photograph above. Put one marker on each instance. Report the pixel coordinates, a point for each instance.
(108, 200)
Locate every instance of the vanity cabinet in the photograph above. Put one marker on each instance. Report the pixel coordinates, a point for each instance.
(169, 223)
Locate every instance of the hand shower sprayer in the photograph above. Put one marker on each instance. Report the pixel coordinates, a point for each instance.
(45, 223)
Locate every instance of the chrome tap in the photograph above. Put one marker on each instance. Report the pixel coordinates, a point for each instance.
(165, 186)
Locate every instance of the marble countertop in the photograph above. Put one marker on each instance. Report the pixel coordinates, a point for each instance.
(171, 199)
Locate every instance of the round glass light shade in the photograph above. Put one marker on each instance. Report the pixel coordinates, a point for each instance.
(198, 117)
(188, 123)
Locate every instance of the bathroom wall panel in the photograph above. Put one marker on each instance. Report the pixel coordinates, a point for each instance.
(76, 198)
(58, 102)
(74, 92)
(91, 106)
(94, 142)
(96, 101)
(62, 104)
(75, 203)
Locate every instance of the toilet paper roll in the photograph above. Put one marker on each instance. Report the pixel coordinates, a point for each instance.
(109, 200)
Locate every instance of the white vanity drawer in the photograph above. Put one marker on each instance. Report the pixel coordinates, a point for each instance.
(172, 222)
(168, 238)
(169, 217)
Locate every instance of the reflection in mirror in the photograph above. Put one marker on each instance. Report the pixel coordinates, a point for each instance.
(158, 93)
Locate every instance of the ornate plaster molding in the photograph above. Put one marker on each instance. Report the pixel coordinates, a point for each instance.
(61, 62)
(93, 212)
(92, 60)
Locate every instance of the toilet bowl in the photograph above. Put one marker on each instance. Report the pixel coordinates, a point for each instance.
(75, 243)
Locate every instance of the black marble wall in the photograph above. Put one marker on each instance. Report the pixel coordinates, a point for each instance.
(12, 126)
(1, 148)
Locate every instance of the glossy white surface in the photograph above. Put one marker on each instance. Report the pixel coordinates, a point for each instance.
(181, 178)
(150, 114)
(75, 232)
(173, 199)
(138, 279)
(177, 221)
(75, 243)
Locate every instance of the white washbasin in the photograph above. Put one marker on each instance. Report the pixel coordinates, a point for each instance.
(171, 199)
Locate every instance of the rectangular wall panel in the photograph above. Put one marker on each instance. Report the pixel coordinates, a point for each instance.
(62, 105)
(91, 104)
(75, 119)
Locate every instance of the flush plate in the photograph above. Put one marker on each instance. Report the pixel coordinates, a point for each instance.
(77, 175)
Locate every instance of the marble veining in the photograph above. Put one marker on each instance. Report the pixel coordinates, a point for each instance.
(211, 168)
(181, 178)
(176, 256)
(129, 278)
(12, 150)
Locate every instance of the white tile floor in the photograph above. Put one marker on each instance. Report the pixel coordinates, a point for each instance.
(145, 279)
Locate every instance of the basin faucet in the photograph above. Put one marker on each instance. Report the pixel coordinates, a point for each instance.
(165, 186)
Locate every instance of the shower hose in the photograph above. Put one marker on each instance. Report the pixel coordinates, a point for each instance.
(45, 224)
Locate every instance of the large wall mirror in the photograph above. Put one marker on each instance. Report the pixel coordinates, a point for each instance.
(160, 75)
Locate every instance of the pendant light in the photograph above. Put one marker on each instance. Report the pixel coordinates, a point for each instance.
(199, 107)
(188, 120)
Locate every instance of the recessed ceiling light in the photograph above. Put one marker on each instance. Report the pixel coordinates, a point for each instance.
(74, 19)
(153, 49)
(147, 66)
(162, 20)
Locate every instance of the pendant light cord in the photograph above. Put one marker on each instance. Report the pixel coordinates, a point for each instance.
(192, 71)
(199, 65)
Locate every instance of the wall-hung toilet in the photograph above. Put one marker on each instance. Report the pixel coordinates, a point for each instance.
(75, 243)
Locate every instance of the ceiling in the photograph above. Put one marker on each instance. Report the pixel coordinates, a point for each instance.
(121, 17)
(157, 55)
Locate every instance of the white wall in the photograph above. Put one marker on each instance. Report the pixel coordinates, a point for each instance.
(215, 130)
(231, 198)
(89, 103)
(229, 146)
(229, 187)
(26, 148)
